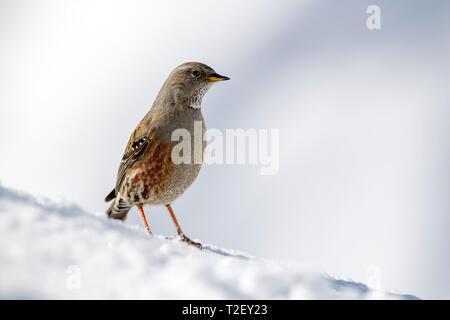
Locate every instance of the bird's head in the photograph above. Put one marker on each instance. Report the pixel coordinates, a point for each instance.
(191, 80)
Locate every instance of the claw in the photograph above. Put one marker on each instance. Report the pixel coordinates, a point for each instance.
(180, 232)
(190, 242)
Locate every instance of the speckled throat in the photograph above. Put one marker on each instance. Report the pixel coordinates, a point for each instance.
(195, 101)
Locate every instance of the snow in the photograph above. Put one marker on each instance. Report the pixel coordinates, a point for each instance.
(56, 250)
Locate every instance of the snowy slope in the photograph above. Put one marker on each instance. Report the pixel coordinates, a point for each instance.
(56, 250)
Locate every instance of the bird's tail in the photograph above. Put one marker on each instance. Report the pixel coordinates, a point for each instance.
(118, 209)
(111, 195)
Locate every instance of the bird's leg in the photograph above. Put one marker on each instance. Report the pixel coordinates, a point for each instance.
(147, 227)
(179, 231)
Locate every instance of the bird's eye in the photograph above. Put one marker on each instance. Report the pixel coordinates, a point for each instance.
(195, 73)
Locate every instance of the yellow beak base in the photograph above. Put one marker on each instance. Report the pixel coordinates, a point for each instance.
(217, 77)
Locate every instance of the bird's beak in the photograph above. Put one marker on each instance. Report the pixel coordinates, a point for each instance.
(217, 77)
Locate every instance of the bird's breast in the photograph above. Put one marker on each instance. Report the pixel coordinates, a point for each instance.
(157, 179)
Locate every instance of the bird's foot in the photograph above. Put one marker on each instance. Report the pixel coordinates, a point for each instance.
(184, 238)
(149, 231)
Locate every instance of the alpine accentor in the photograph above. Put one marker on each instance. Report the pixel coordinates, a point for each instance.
(147, 174)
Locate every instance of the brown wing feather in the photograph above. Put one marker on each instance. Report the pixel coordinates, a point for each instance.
(137, 144)
(130, 157)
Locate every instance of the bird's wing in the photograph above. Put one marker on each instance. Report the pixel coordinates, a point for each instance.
(136, 147)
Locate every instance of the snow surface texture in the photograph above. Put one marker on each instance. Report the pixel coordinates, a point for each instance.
(56, 250)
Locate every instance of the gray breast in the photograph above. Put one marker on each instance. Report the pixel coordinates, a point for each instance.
(183, 175)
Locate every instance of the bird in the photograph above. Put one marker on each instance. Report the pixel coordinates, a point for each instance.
(147, 174)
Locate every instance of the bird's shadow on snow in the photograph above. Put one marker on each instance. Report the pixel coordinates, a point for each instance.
(208, 248)
(226, 252)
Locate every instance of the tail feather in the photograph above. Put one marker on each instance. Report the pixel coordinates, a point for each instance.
(111, 195)
(119, 209)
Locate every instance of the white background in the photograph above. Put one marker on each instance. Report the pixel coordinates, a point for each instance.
(363, 118)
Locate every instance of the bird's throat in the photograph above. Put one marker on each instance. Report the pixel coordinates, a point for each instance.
(195, 100)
